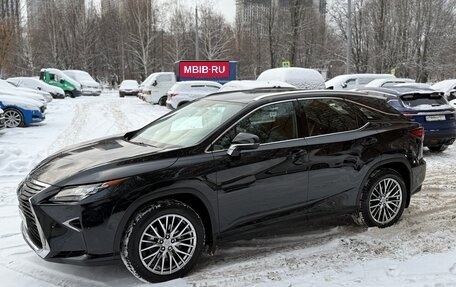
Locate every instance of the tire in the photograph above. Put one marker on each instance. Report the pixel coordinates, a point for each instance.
(145, 239)
(13, 118)
(162, 101)
(69, 94)
(379, 207)
(437, 148)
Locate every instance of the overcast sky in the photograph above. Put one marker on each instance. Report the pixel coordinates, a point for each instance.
(226, 7)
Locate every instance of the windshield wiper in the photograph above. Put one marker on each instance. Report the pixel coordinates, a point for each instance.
(141, 143)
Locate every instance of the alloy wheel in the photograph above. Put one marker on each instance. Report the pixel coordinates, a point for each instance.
(385, 201)
(167, 244)
(12, 119)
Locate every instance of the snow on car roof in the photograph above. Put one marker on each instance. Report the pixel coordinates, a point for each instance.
(302, 78)
(445, 86)
(252, 84)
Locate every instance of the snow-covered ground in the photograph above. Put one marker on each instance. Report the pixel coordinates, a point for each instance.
(418, 251)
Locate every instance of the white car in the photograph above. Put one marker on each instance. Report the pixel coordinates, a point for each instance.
(354, 81)
(36, 84)
(128, 88)
(445, 86)
(388, 82)
(9, 89)
(154, 89)
(182, 93)
(89, 87)
(251, 84)
(47, 96)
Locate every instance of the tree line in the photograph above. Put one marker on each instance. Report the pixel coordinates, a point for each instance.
(412, 38)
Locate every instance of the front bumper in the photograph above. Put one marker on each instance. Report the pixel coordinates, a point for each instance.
(80, 234)
(91, 92)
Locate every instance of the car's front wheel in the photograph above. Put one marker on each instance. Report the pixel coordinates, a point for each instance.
(13, 118)
(162, 101)
(383, 198)
(163, 241)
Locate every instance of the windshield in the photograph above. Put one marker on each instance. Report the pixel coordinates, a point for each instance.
(423, 100)
(80, 75)
(188, 125)
(6, 85)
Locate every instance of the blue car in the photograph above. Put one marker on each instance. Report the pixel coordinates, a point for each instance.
(426, 106)
(20, 112)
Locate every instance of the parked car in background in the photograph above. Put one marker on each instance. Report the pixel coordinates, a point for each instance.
(20, 112)
(427, 107)
(239, 85)
(47, 96)
(156, 86)
(36, 84)
(159, 196)
(414, 85)
(2, 119)
(445, 86)
(451, 95)
(301, 78)
(354, 81)
(57, 78)
(89, 87)
(128, 88)
(388, 82)
(9, 89)
(182, 93)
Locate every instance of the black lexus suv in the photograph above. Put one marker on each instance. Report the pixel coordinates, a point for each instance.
(156, 197)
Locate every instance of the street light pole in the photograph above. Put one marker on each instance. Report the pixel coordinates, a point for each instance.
(349, 39)
(196, 33)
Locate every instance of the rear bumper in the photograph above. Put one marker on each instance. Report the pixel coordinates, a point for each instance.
(439, 137)
(418, 175)
(91, 92)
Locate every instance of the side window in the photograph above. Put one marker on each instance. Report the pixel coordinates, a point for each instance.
(270, 123)
(350, 84)
(52, 77)
(164, 78)
(327, 116)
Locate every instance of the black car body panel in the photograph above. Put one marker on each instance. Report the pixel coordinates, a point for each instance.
(306, 174)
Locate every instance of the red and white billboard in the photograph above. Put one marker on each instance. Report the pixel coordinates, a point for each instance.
(204, 69)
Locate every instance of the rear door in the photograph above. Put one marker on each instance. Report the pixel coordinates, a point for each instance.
(335, 146)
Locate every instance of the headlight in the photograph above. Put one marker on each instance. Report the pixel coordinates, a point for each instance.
(78, 193)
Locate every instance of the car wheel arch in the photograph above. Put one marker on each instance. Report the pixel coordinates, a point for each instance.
(400, 165)
(191, 197)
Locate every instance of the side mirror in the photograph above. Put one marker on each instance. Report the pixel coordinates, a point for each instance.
(243, 141)
(344, 85)
(154, 83)
(62, 81)
(39, 88)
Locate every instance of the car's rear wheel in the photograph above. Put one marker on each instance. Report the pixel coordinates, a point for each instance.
(383, 198)
(13, 118)
(163, 242)
(162, 101)
(437, 148)
(69, 94)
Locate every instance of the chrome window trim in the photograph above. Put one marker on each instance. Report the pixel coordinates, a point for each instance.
(206, 150)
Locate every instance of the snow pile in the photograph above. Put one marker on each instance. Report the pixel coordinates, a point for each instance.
(430, 107)
(301, 78)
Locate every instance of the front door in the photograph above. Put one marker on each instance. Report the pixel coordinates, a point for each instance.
(265, 181)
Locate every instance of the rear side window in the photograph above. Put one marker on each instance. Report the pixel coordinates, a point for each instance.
(327, 116)
(423, 100)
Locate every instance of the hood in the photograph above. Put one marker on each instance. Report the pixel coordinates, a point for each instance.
(24, 94)
(89, 83)
(10, 100)
(54, 89)
(100, 160)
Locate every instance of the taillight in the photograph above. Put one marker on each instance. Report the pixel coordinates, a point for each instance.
(172, 95)
(418, 132)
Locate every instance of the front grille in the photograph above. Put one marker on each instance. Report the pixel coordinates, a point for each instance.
(27, 190)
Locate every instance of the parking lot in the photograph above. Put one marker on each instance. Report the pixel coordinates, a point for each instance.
(419, 250)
